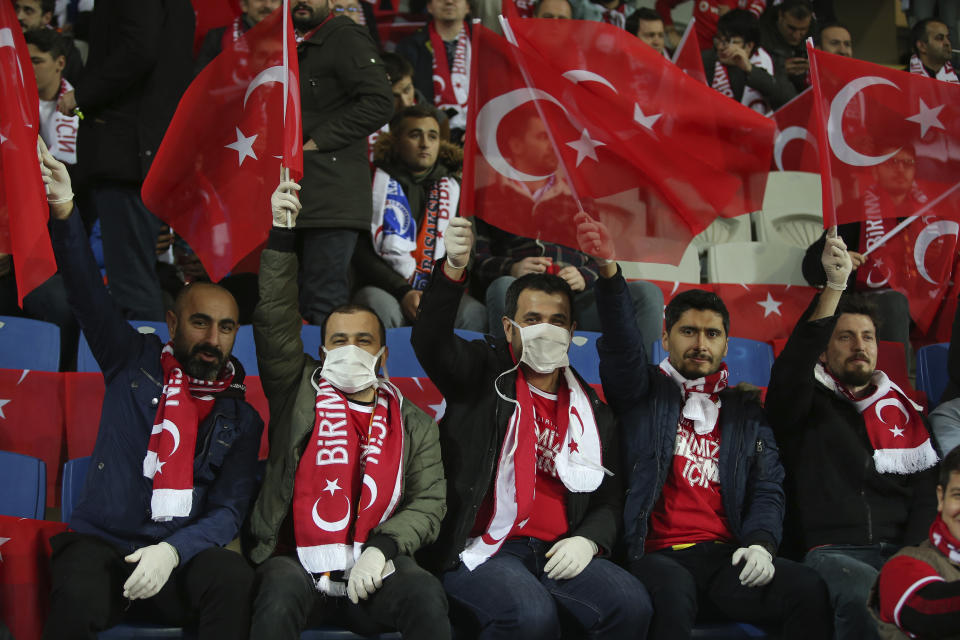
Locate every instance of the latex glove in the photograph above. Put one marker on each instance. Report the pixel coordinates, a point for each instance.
(757, 566)
(154, 564)
(458, 241)
(365, 577)
(594, 238)
(56, 180)
(285, 205)
(568, 557)
(836, 261)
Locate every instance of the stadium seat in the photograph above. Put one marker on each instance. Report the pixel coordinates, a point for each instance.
(245, 350)
(932, 371)
(74, 475)
(792, 210)
(23, 486)
(747, 360)
(755, 263)
(85, 359)
(312, 340)
(583, 355)
(687, 271)
(403, 361)
(724, 230)
(727, 631)
(29, 344)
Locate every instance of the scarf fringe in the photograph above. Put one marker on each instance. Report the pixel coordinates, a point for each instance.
(172, 503)
(905, 461)
(326, 557)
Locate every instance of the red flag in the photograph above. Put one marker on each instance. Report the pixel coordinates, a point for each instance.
(23, 203)
(211, 14)
(220, 158)
(795, 148)
(687, 56)
(890, 153)
(600, 120)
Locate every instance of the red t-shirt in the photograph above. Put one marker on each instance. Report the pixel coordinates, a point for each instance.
(690, 508)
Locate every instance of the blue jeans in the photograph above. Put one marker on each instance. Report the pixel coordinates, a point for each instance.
(511, 597)
(849, 572)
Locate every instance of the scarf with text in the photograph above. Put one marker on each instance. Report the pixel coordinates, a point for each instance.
(184, 404)
(701, 397)
(751, 97)
(329, 525)
(59, 132)
(232, 32)
(901, 443)
(941, 538)
(946, 73)
(410, 251)
(881, 216)
(579, 464)
(450, 85)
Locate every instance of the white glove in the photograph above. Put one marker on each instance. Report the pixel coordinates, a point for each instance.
(365, 575)
(285, 205)
(594, 239)
(837, 263)
(568, 557)
(154, 564)
(458, 241)
(56, 180)
(758, 565)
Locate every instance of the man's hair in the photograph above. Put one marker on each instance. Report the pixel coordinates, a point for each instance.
(397, 66)
(536, 8)
(919, 32)
(545, 282)
(859, 304)
(48, 41)
(818, 36)
(739, 23)
(699, 300)
(798, 9)
(643, 13)
(353, 307)
(949, 464)
(48, 6)
(420, 111)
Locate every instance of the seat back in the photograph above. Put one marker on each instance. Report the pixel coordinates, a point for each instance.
(755, 263)
(723, 230)
(932, 371)
(687, 271)
(74, 476)
(747, 360)
(403, 361)
(29, 344)
(23, 486)
(85, 359)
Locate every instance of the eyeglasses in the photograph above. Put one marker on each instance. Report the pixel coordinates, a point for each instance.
(902, 163)
(347, 9)
(722, 41)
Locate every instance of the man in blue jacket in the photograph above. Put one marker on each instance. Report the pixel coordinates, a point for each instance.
(173, 468)
(704, 505)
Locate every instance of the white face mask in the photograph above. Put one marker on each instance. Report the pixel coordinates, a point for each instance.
(544, 346)
(349, 368)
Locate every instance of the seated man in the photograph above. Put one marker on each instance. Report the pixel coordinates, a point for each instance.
(339, 434)
(861, 468)
(173, 470)
(613, 12)
(646, 24)
(833, 37)
(416, 191)
(704, 509)
(739, 68)
(932, 51)
(525, 445)
(783, 34)
(553, 9)
(503, 257)
(918, 592)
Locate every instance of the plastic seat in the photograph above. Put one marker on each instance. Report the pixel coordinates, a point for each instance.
(74, 476)
(245, 350)
(23, 486)
(29, 344)
(747, 360)
(687, 271)
(583, 355)
(755, 263)
(402, 361)
(792, 210)
(932, 371)
(85, 359)
(724, 230)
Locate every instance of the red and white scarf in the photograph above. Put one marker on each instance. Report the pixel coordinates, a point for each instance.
(59, 132)
(232, 33)
(941, 538)
(701, 397)
(901, 443)
(450, 85)
(946, 73)
(616, 16)
(579, 464)
(184, 404)
(329, 525)
(751, 97)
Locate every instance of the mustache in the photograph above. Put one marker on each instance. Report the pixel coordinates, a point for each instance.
(207, 349)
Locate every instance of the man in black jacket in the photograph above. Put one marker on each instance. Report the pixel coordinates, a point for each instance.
(531, 506)
(861, 468)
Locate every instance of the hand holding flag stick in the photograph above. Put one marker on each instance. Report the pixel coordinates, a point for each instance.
(284, 203)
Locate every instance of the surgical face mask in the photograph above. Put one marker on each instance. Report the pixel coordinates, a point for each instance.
(544, 346)
(349, 368)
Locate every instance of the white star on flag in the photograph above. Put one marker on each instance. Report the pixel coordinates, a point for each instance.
(3, 138)
(643, 120)
(586, 147)
(927, 118)
(770, 306)
(897, 432)
(2, 542)
(243, 146)
(160, 466)
(439, 409)
(332, 487)
(2, 404)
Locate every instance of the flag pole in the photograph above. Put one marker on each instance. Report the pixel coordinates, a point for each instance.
(900, 227)
(286, 61)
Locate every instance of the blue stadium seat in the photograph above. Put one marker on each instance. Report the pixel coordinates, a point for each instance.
(310, 336)
(29, 344)
(23, 486)
(74, 475)
(245, 350)
(85, 359)
(747, 360)
(727, 631)
(583, 355)
(932, 371)
(403, 362)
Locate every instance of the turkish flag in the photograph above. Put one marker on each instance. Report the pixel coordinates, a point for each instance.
(687, 55)
(25, 573)
(795, 148)
(23, 202)
(220, 158)
(211, 14)
(600, 121)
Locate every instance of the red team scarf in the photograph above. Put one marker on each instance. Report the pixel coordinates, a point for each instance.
(945, 543)
(450, 84)
(329, 525)
(701, 397)
(946, 73)
(900, 441)
(184, 404)
(881, 217)
(579, 465)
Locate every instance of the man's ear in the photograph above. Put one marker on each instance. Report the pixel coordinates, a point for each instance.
(171, 323)
(507, 328)
(823, 358)
(663, 341)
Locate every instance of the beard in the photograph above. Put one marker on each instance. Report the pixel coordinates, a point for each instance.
(317, 15)
(854, 377)
(196, 367)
